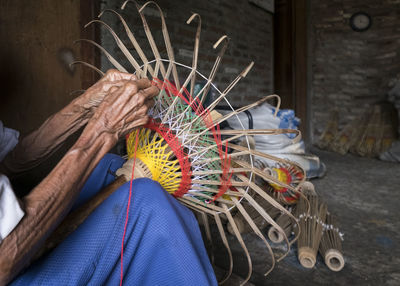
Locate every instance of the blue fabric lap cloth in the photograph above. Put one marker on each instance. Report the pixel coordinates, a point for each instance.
(163, 243)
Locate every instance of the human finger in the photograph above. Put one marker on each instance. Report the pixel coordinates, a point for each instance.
(136, 123)
(150, 102)
(114, 75)
(151, 91)
(139, 110)
(143, 83)
(106, 85)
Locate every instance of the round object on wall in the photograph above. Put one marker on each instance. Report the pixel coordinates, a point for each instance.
(360, 21)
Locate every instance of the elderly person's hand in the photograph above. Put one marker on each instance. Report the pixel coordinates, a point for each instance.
(94, 95)
(43, 142)
(118, 104)
(124, 108)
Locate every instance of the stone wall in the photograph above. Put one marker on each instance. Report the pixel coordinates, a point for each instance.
(249, 28)
(351, 70)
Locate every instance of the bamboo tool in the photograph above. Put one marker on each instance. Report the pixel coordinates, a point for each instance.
(348, 136)
(182, 146)
(370, 138)
(288, 175)
(370, 133)
(285, 223)
(259, 221)
(307, 188)
(311, 224)
(389, 126)
(331, 245)
(331, 130)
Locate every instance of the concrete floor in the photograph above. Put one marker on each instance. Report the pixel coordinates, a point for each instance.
(365, 196)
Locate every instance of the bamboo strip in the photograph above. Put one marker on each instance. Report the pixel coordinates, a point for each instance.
(226, 244)
(270, 157)
(257, 218)
(208, 235)
(120, 44)
(170, 50)
(112, 60)
(241, 242)
(215, 67)
(256, 230)
(88, 65)
(216, 101)
(133, 41)
(159, 63)
(268, 218)
(195, 50)
(285, 223)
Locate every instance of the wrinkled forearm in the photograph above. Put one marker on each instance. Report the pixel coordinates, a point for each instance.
(51, 200)
(43, 142)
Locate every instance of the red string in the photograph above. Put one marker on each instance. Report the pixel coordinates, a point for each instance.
(205, 115)
(180, 154)
(127, 209)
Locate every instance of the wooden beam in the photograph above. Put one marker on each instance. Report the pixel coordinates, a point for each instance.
(290, 56)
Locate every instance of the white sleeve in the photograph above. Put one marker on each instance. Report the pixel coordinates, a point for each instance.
(8, 140)
(10, 210)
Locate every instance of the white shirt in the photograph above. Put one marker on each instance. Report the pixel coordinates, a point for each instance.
(10, 210)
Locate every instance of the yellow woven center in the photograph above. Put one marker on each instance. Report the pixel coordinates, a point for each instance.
(154, 152)
(282, 177)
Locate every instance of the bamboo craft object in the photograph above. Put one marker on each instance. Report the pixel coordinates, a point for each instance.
(289, 175)
(307, 188)
(370, 138)
(311, 224)
(348, 136)
(182, 147)
(330, 132)
(257, 218)
(331, 245)
(285, 223)
(369, 134)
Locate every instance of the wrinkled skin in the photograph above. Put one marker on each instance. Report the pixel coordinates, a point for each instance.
(111, 108)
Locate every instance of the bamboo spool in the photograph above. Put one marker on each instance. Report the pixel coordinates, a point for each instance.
(307, 188)
(331, 245)
(285, 223)
(311, 225)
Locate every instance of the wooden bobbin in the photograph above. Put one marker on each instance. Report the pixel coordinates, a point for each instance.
(334, 260)
(307, 188)
(141, 170)
(274, 235)
(307, 257)
(285, 223)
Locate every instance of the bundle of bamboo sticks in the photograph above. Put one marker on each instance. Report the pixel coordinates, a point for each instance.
(368, 134)
(331, 245)
(311, 217)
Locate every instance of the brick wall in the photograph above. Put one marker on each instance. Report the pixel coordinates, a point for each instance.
(351, 70)
(249, 28)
